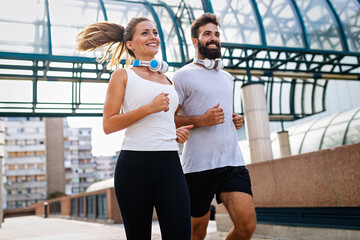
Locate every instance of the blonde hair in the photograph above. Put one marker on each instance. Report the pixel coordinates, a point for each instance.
(110, 38)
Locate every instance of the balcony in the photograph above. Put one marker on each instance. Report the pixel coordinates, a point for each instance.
(26, 160)
(18, 185)
(25, 172)
(30, 196)
(25, 148)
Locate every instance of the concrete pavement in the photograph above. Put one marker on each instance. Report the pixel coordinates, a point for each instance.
(39, 228)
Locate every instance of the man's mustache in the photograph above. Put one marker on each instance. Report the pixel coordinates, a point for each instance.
(213, 42)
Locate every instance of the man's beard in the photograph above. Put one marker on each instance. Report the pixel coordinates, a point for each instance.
(209, 53)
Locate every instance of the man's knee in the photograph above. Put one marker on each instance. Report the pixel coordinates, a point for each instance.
(199, 227)
(198, 231)
(246, 229)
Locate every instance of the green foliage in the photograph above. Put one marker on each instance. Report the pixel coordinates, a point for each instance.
(56, 194)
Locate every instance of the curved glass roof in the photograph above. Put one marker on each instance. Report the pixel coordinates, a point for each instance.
(328, 132)
(294, 46)
(315, 25)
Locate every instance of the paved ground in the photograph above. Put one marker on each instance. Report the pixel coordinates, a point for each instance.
(39, 228)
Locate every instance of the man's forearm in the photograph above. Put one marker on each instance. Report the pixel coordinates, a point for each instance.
(180, 121)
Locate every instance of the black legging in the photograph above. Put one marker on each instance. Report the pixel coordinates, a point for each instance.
(144, 179)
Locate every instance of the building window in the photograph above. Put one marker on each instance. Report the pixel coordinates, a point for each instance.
(73, 207)
(101, 206)
(90, 206)
(81, 207)
(55, 208)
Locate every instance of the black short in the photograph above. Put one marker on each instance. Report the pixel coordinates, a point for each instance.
(204, 185)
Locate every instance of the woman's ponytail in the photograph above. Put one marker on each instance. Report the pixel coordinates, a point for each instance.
(110, 38)
(105, 36)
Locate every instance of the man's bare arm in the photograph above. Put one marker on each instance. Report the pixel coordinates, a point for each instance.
(212, 117)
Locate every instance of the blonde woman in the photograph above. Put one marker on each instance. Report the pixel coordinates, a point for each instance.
(148, 172)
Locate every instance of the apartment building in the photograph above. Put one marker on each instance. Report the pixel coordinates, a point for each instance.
(25, 161)
(79, 162)
(105, 166)
(2, 153)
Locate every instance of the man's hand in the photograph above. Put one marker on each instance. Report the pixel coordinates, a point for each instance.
(238, 120)
(213, 116)
(182, 133)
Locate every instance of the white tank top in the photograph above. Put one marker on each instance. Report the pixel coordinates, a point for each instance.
(157, 131)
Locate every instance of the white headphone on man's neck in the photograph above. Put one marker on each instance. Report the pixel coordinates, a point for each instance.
(216, 63)
(154, 65)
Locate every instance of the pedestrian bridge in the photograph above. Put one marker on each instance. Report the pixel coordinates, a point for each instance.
(293, 46)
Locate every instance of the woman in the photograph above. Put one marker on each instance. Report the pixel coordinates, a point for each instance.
(148, 173)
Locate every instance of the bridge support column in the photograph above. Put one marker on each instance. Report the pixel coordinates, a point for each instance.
(257, 121)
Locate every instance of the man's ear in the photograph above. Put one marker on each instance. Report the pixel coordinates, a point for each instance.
(195, 42)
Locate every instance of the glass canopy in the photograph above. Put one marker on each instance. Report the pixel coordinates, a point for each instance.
(294, 46)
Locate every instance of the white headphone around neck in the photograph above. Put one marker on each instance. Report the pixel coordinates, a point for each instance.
(154, 65)
(216, 63)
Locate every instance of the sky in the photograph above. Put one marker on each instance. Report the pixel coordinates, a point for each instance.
(102, 144)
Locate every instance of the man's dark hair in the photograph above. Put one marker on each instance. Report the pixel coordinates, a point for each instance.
(201, 21)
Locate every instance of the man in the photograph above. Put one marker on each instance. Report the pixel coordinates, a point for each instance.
(212, 161)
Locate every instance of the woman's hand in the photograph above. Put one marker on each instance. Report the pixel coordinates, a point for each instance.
(182, 133)
(160, 103)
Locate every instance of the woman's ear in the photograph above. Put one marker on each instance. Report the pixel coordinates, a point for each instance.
(129, 45)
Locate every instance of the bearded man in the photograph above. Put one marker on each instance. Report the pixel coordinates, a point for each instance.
(212, 160)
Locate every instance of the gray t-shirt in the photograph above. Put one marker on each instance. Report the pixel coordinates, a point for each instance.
(213, 147)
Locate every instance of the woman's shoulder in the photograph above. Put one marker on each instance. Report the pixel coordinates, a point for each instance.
(119, 76)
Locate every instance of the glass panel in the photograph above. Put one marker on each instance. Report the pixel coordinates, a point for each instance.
(298, 98)
(353, 134)
(285, 97)
(81, 207)
(73, 207)
(312, 140)
(123, 12)
(238, 21)
(321, 26)
(93, 92)
(90, 205)
(323, 122)
(318, 101)
(358, 114)
(349, 13)
(237, 97)
(15, 91)
(334, 136)
(54, 92)
(101, 206)
(170, 35)
(295, 142)
(64, 29)
(307, 100)
(31, 34)
(304, 127)
(344, 116)
(280, 23)
(275, 101)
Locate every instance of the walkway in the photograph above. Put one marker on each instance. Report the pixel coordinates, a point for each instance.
(39, 228)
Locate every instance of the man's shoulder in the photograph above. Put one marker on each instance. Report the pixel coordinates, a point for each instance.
(186, 68)
(183, 72)
(227, 74)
